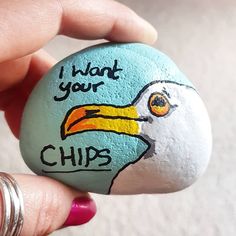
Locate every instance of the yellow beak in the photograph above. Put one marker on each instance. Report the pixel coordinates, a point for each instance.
(121, 120)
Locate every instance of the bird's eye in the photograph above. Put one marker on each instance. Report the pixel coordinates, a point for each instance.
(158, 104)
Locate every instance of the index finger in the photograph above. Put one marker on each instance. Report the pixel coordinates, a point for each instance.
(27, 25)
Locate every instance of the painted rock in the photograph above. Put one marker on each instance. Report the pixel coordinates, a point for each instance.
(119, 119)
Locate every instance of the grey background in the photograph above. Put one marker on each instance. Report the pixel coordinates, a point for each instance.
(200, 37)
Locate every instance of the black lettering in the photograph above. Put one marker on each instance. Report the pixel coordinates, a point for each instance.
(76, 87)
(84, 89)
(80, 156)
(83, 73)
(111, 71)
(61, 72)
(79, 159)
(107, 157)
(65, 89)
(95, 71)
(88, 155)
(111, 74)
(42, 157)
(69, 157)
(104, 69)
(95, 86)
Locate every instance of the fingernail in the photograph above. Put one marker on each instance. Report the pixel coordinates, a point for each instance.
(82, 210)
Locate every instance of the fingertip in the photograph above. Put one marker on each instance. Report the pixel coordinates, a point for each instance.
(130, 27)
(83, 209)
(138, 29)
(150, 34)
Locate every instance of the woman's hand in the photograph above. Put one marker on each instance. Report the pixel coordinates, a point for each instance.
(26, 26)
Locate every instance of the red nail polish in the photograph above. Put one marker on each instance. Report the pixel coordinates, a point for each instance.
(82, 210)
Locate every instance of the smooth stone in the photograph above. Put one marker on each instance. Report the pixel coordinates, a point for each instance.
(118, 119)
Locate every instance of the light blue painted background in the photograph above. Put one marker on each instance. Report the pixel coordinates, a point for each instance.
(43, 116)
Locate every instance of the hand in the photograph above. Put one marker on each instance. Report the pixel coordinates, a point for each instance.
(26, 26)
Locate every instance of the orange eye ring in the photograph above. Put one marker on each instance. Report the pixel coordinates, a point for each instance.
(159, 105)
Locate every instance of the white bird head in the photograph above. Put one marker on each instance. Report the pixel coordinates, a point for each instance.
(170, 117)
(178, 129)
(173, 112)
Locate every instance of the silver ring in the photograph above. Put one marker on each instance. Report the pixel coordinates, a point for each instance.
(12, 206)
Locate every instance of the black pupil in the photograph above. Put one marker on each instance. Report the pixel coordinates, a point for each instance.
(158, 101)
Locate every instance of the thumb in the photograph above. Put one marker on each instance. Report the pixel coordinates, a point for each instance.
(50, 205)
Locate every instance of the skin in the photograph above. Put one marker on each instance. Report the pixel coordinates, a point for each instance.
(26, 26)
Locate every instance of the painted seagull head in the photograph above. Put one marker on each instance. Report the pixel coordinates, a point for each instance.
(165, 115)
